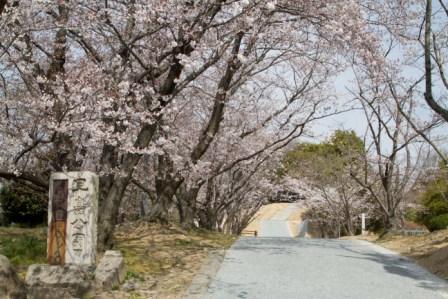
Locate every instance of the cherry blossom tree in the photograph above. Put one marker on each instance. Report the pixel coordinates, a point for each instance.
(435, 49)
(127, 87)
(395, 151)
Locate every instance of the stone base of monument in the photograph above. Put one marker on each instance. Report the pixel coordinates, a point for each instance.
(57, 282)
(11, 286)
(110, 272)
(75, 281)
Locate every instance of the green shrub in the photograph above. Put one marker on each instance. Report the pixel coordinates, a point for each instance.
(437, 205)
(438, 222)
(23, 205)
(435, 200)
(411, 215)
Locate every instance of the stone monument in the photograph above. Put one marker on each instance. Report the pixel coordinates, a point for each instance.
(72, 218)
(71, 246)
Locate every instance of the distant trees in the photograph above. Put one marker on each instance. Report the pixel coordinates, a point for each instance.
(23, 205)
(351, 176)
(327, 167)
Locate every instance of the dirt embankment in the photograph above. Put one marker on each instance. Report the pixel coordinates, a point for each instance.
(161, 261)
(429, 251)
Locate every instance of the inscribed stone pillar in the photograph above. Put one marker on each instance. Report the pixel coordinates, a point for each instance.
(72, 218)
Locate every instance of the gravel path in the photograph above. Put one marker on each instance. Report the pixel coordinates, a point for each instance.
(315, 268)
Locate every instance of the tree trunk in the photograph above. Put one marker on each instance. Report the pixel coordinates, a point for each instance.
(349, 222)
(159, 211)
(2, 5)
(207, 219)
(429, 97)
(109, 205)
(186, 203)
(391, 222)
(109, 208)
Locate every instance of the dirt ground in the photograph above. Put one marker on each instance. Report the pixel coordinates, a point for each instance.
(162, 261)
(294, 221)
(429, 251)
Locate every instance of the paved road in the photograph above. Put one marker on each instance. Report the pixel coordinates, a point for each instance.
(274, 228)
(277, 226)
(318, 269)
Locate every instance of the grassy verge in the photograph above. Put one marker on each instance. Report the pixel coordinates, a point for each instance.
(162, 260)
(23, 246)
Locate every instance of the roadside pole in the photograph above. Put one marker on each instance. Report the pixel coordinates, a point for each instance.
(363, 224)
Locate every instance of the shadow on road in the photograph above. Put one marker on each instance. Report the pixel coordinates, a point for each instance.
(319, 268)
(397, 265)
(394, 264)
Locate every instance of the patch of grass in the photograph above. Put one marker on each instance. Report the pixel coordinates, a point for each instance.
(188, 244)
(135, 296)
(215, 239)
(155, 250)
(138, 262)
(23, 247)
(134, 275)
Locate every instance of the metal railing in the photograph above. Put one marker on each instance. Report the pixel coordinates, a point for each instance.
(411, 232)
(249, 233)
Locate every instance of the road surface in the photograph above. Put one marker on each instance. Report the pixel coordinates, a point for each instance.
(277, 226)
(316, 268)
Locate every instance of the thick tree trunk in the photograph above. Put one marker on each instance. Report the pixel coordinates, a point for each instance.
(207, 219)
(159, 211)
(110, 203)
(2, 5)
(391, 222)
(186, 203)
(349, 222)
(108, 215)
(429, 97)
(166, 190)
(188, 215)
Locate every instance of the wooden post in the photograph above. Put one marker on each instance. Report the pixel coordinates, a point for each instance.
(72, 218)
(57, 222)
